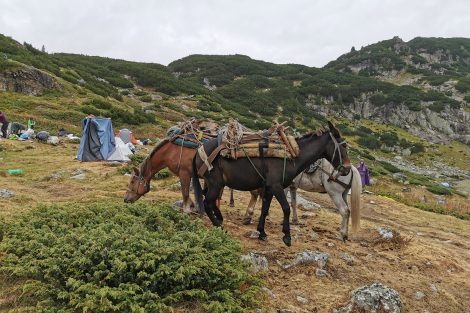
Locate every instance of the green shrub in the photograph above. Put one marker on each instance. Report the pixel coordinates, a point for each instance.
(146, 98)
(103, 257)
(100, 104)
(390, 167)
(164, 173)
(439, 190)
(370, 142)
(140, 93)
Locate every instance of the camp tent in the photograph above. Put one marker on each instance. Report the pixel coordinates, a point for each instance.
(122, 151)
(127, 136)
(97, 142)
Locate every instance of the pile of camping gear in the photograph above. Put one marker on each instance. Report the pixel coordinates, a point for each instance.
(241, 142)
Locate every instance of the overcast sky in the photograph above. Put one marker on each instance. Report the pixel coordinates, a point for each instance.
(310, 32)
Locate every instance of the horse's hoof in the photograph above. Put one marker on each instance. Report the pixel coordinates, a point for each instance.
(295, 222)
(232, 205)
(344, 238)
(287, 240)
(262, 236)
(246, 221)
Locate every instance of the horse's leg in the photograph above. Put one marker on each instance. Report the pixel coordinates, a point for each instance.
(281, 198)
(217, 212)
(293, 201)
(210, 204)
(232, 201)
(343, 209)
(185, 179)
(251, 207)
(267, 197)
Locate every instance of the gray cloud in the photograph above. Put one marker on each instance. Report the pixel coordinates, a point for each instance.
(297, 31)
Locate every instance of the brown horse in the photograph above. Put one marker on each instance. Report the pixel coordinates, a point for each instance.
(177, 158)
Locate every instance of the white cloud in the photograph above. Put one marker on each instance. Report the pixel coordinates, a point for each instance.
(297, 31)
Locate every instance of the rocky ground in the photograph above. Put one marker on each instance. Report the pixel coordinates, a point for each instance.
(423, 256)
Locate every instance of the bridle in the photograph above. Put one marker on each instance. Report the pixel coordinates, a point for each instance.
(340, 169)
(142, 181)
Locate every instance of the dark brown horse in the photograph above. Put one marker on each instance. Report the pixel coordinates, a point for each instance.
(178, 159)
(272, 174)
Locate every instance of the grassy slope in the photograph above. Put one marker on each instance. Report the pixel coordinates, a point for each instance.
(433, 251)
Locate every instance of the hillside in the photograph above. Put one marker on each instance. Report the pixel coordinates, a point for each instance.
(403, 107)
(429, 253)
(382, 118)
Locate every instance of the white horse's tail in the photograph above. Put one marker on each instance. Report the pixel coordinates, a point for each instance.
(356, 190)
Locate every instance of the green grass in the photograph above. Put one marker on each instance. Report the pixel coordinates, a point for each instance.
(105, 257)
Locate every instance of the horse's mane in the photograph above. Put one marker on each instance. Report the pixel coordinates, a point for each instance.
(317, 133)
(157, 147)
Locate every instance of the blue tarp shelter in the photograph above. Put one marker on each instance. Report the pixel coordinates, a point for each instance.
(97, 142)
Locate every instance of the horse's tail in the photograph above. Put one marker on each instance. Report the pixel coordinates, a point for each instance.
(197, 188)
(356, 190)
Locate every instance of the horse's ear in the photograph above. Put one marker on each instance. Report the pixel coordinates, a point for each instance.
(333, 129)
(136, 171)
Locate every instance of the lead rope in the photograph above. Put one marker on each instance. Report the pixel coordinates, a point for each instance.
(246, 155)
(181, 154)
(284, 169)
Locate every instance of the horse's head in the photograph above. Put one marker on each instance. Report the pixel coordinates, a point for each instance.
(337, 151)
(137, 187)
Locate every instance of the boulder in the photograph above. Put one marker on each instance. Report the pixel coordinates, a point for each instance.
(5, 193)
(373, 298)
(258, 262)
(307, 256)
(385, 233)
(346, 258)
(79, 176)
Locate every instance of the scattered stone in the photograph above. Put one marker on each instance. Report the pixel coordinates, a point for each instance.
(302, 300)
(419, 295)
(5, 193)
(434, 288)
(330, 244)
(79, 171)
(178, 204)
(364, 243)
(386, 233)
(55, 176)
(372, 202)
(258, 262)
(349, 260)
(373, 298)
(321, 273)
(400, 176)
(284, 311)
(269, 292)
(128, 174)
(253, 234)
(79, 176)
(307, 256)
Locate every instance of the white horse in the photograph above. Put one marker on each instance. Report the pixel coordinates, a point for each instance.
(322, 177)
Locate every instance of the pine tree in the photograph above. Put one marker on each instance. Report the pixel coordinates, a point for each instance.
(43, 49)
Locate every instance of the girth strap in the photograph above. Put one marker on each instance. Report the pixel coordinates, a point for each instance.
(207, 161)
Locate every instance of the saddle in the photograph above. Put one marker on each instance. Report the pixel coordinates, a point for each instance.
(192, 133)
(241, 142)
(236, 141)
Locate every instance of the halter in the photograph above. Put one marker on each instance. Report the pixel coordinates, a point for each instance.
(340, 166)
(141, 182)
